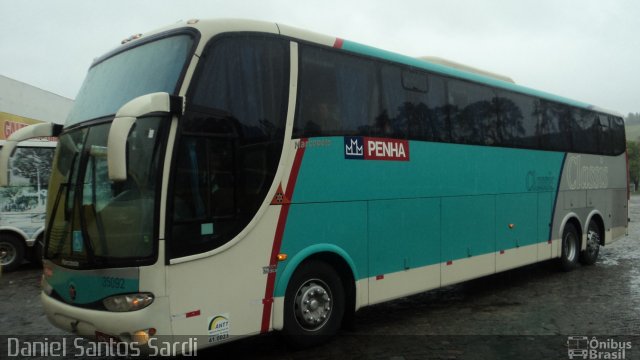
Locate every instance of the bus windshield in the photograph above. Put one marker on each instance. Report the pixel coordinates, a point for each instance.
(95, 222)
(151, 67)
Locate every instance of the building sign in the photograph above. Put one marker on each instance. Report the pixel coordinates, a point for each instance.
(10, 123)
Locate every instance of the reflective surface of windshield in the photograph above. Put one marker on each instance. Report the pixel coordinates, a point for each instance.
(152, 67)
(94, 222)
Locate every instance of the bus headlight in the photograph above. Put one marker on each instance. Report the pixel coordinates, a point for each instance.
(128, 302)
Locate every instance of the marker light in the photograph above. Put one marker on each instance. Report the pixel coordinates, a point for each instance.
(142, 336)
(281, 257)
(131, 38)
(128, 302)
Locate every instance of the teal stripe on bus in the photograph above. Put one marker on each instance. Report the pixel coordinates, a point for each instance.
(449, 71)
(448, 202)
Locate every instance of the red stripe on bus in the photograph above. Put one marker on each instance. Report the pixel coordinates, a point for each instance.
(379, 277)
(277, 241)
(338, 44)
(449, 262)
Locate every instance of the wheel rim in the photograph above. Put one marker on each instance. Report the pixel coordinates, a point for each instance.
(313, 304)
(7, 253)
(570, 246)
(593, 242)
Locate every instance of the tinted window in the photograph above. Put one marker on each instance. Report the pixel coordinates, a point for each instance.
(586, 133)
(473, 113)
(230, 141)
(336, 94)
(413, 80)
(566, 124)
(548, 128)
(426, 113)
(399, 106)
(618, 137)
(516, 125)
(341, 94)
(413, 105)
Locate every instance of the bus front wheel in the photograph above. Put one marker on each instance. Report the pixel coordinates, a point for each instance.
(570, 248)
(314, 305)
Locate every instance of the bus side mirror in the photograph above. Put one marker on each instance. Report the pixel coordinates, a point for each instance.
(146, 105)
(26, 133)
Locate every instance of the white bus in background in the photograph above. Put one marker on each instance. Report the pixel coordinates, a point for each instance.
(23, 203)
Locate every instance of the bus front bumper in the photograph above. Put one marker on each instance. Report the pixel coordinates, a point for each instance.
(97, 323)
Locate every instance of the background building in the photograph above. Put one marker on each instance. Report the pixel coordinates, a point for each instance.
(22, 104)
(22, 204)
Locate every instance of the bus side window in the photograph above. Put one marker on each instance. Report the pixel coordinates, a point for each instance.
(230, 140)
(205, 191)
(437, 125)
(335, 94)
(517, 120)
(586, 132)
(188, 196)
(618, 143)
(604, 135)
(472, 113)
(548, 127)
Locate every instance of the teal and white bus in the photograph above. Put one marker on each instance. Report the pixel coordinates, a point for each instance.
(227, 178)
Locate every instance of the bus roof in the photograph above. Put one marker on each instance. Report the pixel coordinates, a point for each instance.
(211, 27)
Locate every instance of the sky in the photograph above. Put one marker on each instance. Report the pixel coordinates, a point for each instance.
(586, 50)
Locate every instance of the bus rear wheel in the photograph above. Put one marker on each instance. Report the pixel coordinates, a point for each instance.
(570, 248)
(11, 252)
(594, 237)
(314, 305)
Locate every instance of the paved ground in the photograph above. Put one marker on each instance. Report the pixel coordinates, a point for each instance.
(527, 313)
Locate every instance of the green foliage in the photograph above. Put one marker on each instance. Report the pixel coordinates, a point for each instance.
(633, 151)
(632, 119)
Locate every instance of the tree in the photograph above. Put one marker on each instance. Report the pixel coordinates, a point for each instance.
(33, 164)
(632, 119)
(633, 151)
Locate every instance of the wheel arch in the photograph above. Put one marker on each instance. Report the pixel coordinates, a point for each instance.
(597, 217)
(574, 219)
(13, 231)
(570, 218)
(331, 254)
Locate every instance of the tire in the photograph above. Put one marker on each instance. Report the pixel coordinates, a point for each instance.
(594, 237)
(313, 305)
(11, 252)
(38, 252)
(570, 248)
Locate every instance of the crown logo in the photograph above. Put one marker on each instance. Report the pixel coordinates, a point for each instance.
(352, 148)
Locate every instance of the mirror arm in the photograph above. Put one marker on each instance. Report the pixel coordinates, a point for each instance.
(26, 133)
